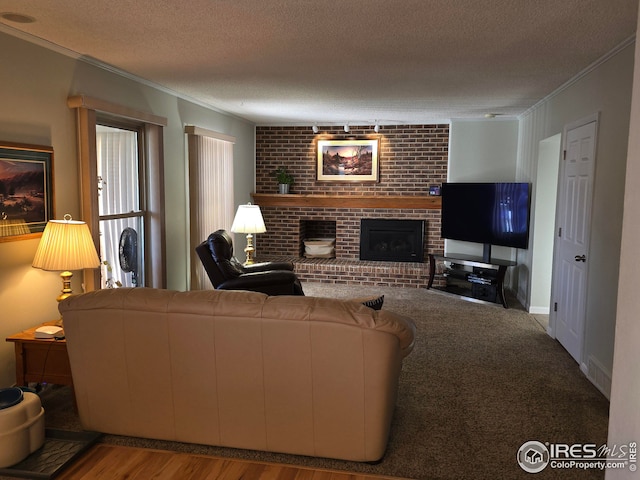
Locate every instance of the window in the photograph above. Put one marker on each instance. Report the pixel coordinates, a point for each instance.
(122, 192)
(121, 206)
(211, 202)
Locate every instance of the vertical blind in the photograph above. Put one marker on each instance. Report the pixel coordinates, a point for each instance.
(210, 196)
(118, 194)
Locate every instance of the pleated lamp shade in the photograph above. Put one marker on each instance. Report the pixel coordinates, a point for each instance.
(248, 219)
(66, 245)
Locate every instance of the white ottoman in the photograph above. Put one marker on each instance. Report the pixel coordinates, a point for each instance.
(21, 428)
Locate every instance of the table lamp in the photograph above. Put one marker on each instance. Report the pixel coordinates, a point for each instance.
(248, 220)
(66, 245)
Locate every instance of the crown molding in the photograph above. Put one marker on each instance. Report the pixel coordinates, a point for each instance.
(612, 53)
(110, 68)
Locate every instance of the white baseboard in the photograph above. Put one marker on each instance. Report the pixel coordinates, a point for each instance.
(539, 310)
(598, 375)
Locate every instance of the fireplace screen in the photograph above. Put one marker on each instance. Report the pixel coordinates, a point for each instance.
(392, 240)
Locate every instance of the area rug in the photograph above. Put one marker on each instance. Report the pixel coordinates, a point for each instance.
(60, 449)
(481, 381)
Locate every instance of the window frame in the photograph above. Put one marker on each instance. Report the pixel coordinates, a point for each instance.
(141, 163)
(90, 112)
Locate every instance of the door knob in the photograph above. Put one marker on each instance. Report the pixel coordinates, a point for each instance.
(580, 258)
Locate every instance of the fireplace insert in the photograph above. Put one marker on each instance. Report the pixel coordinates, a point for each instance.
(392, 240)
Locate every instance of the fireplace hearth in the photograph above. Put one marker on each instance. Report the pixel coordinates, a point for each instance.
(392, 240)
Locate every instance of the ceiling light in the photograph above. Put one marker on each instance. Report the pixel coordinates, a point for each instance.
(376, 128)
(17, 17)
(346, 128)
(315, 129)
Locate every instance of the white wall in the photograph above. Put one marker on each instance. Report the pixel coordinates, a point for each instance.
(482, 151)
(34, 87)
(605, 89)
(624, 415)
(543, 223)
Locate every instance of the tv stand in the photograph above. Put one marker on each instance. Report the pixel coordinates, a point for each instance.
(471, 277)
(486, 253)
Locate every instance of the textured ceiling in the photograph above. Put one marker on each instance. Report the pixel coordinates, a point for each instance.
(338, 61)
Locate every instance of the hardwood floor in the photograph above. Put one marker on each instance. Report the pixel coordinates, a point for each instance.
(112, 462)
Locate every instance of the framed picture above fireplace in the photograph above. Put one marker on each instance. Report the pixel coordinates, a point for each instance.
(347, 160)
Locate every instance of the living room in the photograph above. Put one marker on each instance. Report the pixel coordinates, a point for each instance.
(35, 111)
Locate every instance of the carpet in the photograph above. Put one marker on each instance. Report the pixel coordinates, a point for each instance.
(481, 381)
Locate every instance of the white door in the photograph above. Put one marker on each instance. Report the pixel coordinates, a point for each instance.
(572, 241)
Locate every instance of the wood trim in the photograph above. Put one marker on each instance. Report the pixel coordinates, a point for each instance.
(203, 132)
(86, 121)
(91, 103)
(87, 118)
(27, 146)
(156, 240)
(348, 201)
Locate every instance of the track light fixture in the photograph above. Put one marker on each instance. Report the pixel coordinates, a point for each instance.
(346, 128)
(315, 129)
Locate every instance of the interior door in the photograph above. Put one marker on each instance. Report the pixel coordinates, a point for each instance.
(572, 241)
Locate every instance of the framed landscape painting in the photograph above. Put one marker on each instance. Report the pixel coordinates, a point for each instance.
(26, 190)
(348, 160)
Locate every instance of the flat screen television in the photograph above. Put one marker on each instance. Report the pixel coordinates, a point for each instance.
(487, 213)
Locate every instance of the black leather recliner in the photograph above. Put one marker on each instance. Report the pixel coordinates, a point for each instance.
(227, 273)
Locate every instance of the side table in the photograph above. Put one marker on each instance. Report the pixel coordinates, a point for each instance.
(40, 360)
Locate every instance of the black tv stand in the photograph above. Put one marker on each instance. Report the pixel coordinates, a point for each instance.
(486, 253)
(471, 277)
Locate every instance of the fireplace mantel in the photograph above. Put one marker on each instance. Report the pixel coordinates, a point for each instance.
(347, 201)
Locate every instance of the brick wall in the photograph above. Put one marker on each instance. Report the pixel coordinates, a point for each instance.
(284, 235)
(411, 159)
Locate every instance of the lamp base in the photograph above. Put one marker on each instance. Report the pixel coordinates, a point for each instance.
(249, 250)
(66, 286)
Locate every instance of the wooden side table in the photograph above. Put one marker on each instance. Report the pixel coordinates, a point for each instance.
(40, 360)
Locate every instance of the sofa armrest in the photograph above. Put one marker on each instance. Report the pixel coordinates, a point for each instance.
(271, 282)
(266, 266)
(399, 325)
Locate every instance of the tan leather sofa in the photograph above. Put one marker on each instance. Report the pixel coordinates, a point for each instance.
(293, 374)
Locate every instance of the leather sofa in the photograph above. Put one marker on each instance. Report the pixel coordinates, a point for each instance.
(291, 374)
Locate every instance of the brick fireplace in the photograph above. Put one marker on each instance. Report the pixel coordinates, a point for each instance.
(411, 159)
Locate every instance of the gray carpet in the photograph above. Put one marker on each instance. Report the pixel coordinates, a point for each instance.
(481, 381)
